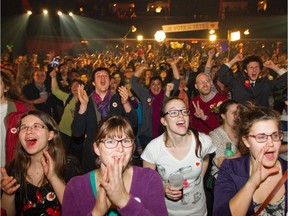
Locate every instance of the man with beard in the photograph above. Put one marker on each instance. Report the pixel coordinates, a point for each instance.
(251, 85)
(203, 107)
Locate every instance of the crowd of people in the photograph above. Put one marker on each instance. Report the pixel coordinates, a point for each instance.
(105, 134)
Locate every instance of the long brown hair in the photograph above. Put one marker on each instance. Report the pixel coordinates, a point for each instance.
(12, 91)
(56, 150)
(198, 148)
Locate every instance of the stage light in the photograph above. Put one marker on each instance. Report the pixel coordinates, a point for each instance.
(131, 29)
(212, 37)
(234, 36)
(45, 11)
(140, 37)
(70, 14)
(246, 32)
(158, 9)
(160, 36)
(59, 13)
(29, 12)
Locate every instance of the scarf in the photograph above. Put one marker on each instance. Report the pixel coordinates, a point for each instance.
(156, 107)
(103, 106)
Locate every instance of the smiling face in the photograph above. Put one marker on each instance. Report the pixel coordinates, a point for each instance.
(156, 86)
(253, 70)
(263, 127)
(109, 156)
(116, 128)
(203, 84)
(39, 76)
(179, 124)
(101, 81)
(35, 139)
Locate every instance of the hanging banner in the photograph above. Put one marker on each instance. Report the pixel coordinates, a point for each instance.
(190, 27)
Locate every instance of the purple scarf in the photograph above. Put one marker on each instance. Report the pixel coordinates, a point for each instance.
(103, 106)
(156, 107)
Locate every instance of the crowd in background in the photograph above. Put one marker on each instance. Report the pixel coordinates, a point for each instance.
(136, 83)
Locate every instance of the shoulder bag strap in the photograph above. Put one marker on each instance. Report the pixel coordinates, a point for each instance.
(272, 194)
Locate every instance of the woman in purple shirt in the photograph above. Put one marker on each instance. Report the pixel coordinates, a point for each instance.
(244, 183)
(115, 187)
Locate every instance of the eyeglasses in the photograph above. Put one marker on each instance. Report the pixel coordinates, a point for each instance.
(113, 143)
(34, 127)
(262, 137)
(175, 113)
(203, 82)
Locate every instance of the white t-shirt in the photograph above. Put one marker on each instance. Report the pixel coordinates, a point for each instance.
(3, 113)
(194, 200)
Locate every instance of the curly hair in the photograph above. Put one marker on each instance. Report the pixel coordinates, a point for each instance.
(252, 58)
(247, 115)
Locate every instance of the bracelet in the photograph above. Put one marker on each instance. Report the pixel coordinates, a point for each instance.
(132, 98)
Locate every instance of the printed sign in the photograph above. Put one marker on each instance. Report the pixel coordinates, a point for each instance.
(189, 27)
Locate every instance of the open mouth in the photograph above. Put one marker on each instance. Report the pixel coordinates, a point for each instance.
(31, 141)
(269, 155)
(180, 123)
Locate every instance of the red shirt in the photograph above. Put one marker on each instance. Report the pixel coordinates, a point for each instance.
(212, 121)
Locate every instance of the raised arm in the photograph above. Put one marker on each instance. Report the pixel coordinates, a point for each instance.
(237, 58)
(270, 64)
(54, 84)
(209, 62)
(173, 63)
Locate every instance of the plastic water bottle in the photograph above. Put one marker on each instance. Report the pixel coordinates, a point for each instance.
(228, 151)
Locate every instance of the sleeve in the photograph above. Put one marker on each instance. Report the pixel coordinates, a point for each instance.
(176, 83)
(224, 190)
(140, 91)
(207, 146)
(154, 201)
(280, 82)
(150, 153)
(78, 125)
(119, 110)
(225, 75)
(218, 142)
(60, 94)
(70, 201)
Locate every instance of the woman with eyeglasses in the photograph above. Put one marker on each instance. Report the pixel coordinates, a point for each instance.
(116, 187)
(34, 182)
(183, 154)
(244, 183)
